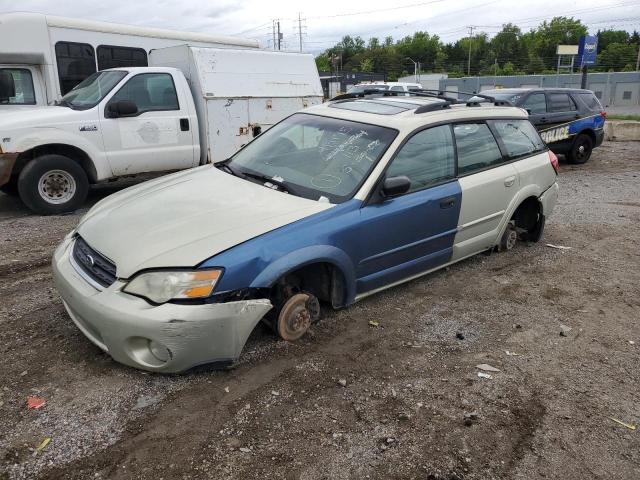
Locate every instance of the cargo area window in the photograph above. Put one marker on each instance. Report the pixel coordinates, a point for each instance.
(151, 92)
(113, 57)
(76, 61)
(23, 93)
(519, 137)
(427, 158)
(476, 146)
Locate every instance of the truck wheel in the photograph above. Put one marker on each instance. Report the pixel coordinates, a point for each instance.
(53, 184)
(581, 150)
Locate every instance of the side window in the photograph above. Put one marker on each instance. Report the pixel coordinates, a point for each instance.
(519, 137)
(150, 92)
(427, 158)
(397, 89)
(560, 102)
(535, 103)
(476, 146)
(23, 84)
(591, 101)
(114, 57)
(76, 61)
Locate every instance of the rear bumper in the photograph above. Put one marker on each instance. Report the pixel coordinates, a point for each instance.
(549, 199)
(166, 338)
(599, 137)
(7, 161)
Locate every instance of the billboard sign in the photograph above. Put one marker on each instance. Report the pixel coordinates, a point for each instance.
(587, 50)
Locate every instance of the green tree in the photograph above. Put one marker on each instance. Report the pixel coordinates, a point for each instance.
(559, 31)
(366, 65)
(616, 57)
(607, 37)
(323, 63)
(508, 46)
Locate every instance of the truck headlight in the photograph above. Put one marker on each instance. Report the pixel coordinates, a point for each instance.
(162, 286)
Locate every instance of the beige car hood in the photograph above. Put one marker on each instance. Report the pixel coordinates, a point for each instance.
(181, 220)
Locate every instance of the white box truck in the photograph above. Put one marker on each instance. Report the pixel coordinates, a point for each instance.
(48, 55)
(191, 106)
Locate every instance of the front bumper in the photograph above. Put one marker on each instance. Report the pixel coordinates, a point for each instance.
(166, 338)
(7, 161)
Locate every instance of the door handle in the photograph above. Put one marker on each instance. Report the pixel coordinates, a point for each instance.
(184, 124)
(448, 202)
(509, 181)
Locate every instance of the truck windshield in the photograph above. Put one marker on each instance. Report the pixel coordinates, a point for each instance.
(313, 156)
(92, 90)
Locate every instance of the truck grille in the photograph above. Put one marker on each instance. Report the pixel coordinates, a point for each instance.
(100, 269)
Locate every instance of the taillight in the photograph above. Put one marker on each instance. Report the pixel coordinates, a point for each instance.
(603, 114)
(554, 162)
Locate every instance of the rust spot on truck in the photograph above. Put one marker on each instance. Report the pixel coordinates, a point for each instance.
(7, 161)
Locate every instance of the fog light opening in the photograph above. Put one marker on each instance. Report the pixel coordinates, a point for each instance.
(159, 351)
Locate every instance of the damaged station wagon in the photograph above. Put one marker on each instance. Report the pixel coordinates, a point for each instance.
(328, 206)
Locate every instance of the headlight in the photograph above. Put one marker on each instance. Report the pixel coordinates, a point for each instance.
(160, 287)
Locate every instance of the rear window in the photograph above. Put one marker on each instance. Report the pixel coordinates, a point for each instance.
(519, 137)
(590, 100)
(560, 102)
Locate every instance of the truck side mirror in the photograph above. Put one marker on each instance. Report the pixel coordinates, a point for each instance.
(394, 186)
(121, 108)
(7, 86)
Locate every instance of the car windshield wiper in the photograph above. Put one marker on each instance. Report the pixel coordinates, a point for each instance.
(224, 165)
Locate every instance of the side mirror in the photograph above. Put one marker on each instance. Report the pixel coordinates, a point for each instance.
(122, 108)
(528, 111)
(7, 86)
(394, 186)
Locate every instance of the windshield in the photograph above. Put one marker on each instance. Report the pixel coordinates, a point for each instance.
(92, 90)
(362, 88)
(315, 157)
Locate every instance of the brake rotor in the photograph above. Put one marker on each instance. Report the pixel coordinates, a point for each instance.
(296, 316)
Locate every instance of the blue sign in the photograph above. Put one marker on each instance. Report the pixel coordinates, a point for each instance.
(587, 50)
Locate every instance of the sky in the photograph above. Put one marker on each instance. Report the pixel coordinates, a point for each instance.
(325, 22)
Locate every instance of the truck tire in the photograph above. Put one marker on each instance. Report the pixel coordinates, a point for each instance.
(53, 184)
(581, 149)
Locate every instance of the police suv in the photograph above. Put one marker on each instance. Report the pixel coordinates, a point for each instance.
(334, 203)
(570, 120)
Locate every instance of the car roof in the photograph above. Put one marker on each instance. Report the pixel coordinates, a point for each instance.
(532, 89)
(400, 112)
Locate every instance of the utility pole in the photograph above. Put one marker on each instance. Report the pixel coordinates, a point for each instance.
(638, 60)
(300, 30)
(273, 28)
(279, 36)
(471, 29)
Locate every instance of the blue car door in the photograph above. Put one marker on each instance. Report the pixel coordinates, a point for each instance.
(404, 236)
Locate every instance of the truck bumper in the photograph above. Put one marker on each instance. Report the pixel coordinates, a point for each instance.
(166, 338)
(7, 161)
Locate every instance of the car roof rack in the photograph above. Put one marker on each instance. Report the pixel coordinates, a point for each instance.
(476, 103)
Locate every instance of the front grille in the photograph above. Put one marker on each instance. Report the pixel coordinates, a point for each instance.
(100, 269)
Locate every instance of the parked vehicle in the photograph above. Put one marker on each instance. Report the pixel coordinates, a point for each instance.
(330, 205)
(47, 55)
(570, 120)
(127, 121)
(386, 86)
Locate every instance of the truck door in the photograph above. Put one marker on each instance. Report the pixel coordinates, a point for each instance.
(158, 136)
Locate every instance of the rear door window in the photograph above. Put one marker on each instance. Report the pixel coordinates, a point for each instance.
(519, 137)
(535, 104)
(560, 102)
(427, 158)
(477, 148)
(114, 57)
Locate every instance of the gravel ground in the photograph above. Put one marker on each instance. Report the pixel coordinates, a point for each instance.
(351, 401)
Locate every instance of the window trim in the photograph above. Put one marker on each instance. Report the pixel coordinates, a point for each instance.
(140, 112)
(64, 42)
(97, 53)
(33, 89)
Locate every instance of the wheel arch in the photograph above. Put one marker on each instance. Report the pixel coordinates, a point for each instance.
(327, 269)
(70, 151)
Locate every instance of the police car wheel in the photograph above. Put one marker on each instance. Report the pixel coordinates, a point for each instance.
(581, 150)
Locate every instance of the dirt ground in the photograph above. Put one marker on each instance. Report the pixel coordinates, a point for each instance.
(402, 400)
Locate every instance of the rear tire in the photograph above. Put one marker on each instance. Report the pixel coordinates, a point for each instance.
(53, 184)
(581, 150)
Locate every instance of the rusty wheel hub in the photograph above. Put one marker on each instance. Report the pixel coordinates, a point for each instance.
(295, 317)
